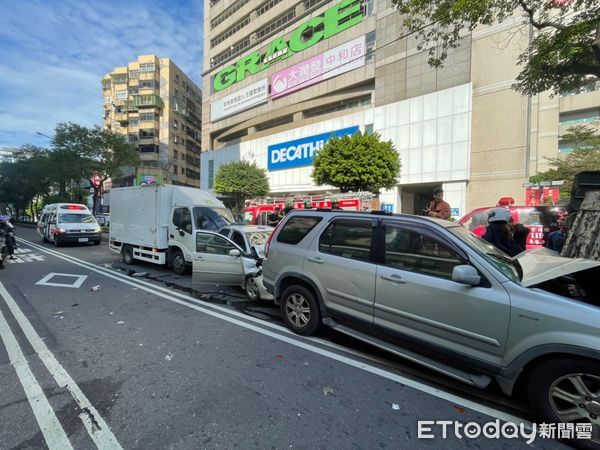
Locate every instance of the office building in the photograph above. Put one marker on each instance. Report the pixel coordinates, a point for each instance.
(281, 75)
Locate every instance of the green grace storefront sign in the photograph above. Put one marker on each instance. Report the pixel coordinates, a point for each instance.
(336, 19)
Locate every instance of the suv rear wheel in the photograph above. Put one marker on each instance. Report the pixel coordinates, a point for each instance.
(300, 310)
(568, 390)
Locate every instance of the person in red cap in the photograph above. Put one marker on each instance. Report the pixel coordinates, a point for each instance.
(438, 207)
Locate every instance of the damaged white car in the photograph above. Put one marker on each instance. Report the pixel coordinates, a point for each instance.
(232, 256)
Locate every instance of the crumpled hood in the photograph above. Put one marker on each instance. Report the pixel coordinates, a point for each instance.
(541, 265)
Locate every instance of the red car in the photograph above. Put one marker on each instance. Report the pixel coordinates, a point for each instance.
(542, 220)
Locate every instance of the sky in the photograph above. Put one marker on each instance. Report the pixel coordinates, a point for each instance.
(54, 53)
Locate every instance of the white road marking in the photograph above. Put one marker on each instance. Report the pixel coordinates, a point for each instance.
(53, 432)
(79, 279)
(93, 422)
(172, 296)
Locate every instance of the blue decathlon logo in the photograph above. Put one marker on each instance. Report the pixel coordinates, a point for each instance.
(300, 152)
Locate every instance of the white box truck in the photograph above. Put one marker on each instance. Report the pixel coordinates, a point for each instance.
(158, 223)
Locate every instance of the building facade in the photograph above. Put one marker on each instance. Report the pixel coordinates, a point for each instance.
(281, 76)
(157, 107)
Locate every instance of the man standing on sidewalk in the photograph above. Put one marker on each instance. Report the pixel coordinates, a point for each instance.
(438, 207)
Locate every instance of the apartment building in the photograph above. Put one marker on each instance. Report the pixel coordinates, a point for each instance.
(157, 107)
(281, 76)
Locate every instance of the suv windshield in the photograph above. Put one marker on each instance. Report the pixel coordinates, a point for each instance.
(493, 255)
(75, 218)
(207, 218)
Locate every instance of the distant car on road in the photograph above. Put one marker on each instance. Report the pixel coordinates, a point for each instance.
(430, 291)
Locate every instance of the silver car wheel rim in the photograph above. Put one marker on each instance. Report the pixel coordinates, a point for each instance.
(178, 262)
(297, 310)
(576, 398)
(252, 288)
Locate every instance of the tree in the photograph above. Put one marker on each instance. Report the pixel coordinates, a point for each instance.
(584, 156)
(361, 162)
(240, 180)
(94, 154)
(563, 54)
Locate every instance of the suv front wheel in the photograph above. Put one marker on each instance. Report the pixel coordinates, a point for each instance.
(300, 310)
(568, 390)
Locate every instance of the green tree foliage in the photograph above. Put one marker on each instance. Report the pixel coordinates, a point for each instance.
(361, 162)
(584, 156)
(24, 179)
(240, 180)
(94, 154)
(564, 51)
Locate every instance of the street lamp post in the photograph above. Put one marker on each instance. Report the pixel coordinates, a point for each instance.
(42, 134)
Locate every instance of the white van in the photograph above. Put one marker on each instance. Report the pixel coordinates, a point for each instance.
(63, 223)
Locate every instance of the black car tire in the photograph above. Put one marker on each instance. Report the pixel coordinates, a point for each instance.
(56, 241)
(96, 242)
(300, 310)
(44, 238)
(555, 376)
(178, 262)
(127, 255)
(252, 290)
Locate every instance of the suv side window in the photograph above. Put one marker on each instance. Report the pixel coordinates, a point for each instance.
(410, 249)
(348, 238)
(296, 228)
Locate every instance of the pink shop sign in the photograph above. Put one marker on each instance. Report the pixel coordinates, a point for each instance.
(338, 60)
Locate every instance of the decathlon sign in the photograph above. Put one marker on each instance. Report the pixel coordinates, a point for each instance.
(299, 153)
(334, 20)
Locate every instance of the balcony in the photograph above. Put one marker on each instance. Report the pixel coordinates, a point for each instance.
(121, 117)
(144, 100)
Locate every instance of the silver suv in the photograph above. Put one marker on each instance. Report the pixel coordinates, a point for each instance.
(430, 291)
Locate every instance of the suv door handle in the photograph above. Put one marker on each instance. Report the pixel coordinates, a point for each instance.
(396, 279)
(315, 259)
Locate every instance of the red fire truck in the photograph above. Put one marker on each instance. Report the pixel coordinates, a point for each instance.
(257, 211)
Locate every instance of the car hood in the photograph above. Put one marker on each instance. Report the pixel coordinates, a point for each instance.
(541, 265)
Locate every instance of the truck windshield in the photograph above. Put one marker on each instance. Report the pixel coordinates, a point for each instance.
(75, 218)
(207, 218)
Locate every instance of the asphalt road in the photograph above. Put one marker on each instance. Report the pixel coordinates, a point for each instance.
(155, 362)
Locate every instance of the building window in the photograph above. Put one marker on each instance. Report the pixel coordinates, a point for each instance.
(107, 100)
(182, 171)
(175, 154)
(174, 124)
(147, 116)
(339, 106)
(211, 173)
(133, 89)
(175, 170)
(133, 74)
(147, 84)
(572, 118)
(176, 78)
(119, 78)
(133, 137)
(150, 133)
(370, 46)
(105, 84)
(276, 24)
(121, 95)
(227, 13)
(176, 139)
(134, 122)
(148, 67)
(149, 148)
(369, 128)
(235, 49)
(267, 6)
(230, 32)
